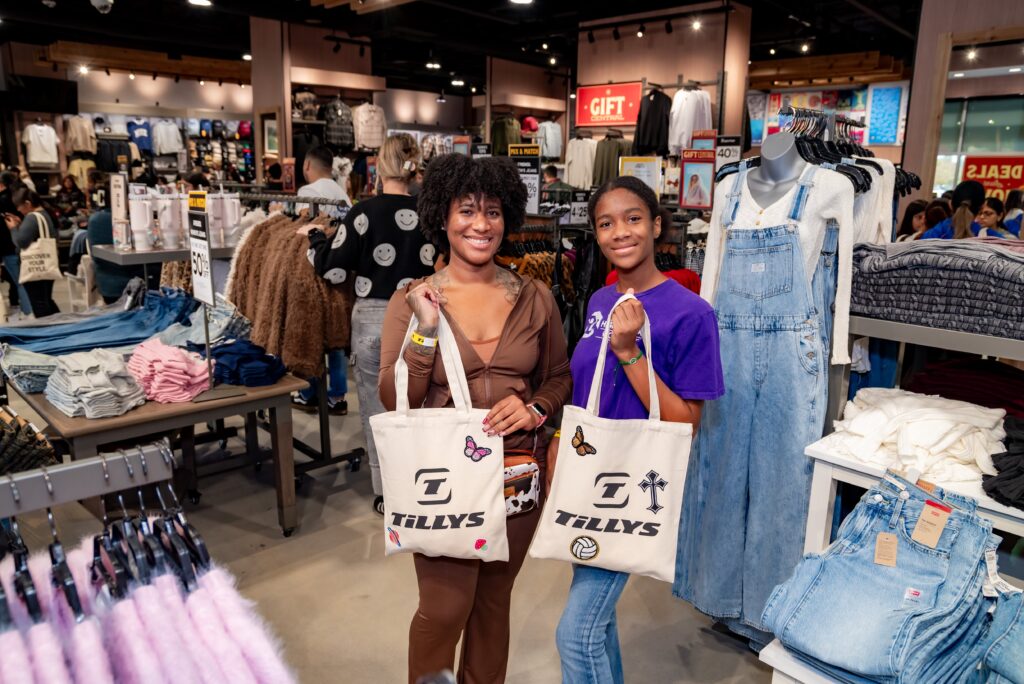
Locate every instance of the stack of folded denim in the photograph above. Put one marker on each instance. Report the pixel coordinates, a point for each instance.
(883, 604)
(27, 369)
(168, 374)
(94, 384)
(240, 362)
(161, 310)
(226, 322)
(22, 447)
(967, 285)
(1008, 486)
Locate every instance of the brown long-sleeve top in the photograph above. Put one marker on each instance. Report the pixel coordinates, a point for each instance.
(530, 360)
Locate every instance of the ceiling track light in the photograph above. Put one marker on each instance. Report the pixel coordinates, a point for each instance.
(247, 57)
(543, 46)
(83, 70)
(640, 31)
(590, 37)
(337, 48)
(696, 24)
(220, 82)
(131, 75)
(553, 61)
(154, 75)
(202, 82)
(615, 33)
(771, 51)
(362, 50)
(805, 48)
(441, 99)
(177, 78)
(106, 71)
(972, 55)
(668, 26)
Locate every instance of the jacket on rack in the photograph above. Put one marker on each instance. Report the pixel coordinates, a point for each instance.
(652, 126)
(338, 130)
(295, 314)
(504, 132)
(606, 161)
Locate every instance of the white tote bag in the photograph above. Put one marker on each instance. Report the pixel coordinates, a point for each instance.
(39, 260)
(443, 476)
(617, 493)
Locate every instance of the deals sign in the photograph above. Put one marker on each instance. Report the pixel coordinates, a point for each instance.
(199, 246)
(613, 104)
(527, 159)
(998, 174)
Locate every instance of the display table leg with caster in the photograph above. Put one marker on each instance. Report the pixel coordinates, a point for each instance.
(284, 463)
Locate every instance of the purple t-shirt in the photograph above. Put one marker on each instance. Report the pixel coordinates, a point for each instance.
(684, 334)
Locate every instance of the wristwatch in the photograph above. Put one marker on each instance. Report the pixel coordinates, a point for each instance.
(539, 410)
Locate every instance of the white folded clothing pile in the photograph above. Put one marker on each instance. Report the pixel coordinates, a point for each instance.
(94, 384)
(947, 441)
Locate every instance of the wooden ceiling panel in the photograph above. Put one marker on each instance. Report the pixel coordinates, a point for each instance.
(142, 61)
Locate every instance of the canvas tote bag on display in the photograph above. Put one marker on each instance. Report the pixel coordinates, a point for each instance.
(617, 493)
(443, 476)
(39, 260)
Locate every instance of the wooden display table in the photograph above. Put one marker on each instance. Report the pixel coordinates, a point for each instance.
(85, 436)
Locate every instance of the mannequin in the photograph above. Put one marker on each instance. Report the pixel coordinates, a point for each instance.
(780, 169)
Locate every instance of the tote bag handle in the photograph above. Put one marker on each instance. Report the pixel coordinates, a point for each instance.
(451, 358)
(594, 401)
(44, 225)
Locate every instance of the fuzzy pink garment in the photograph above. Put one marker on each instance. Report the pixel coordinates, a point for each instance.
(79, 560)
(253, 636)
(15, 665)
(179, 620)
(130, 655)
(89, 661)
(47, 657)
(211, 629)
(177, 665)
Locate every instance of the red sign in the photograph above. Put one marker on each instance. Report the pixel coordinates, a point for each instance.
(999, 175)
(615, 104)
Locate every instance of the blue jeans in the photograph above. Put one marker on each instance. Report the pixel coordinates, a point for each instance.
(337, 377)
(587, 635)
(748, 476)
(12, 263)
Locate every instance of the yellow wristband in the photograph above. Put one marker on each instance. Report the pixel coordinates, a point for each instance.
(423, 341)
(558, 434)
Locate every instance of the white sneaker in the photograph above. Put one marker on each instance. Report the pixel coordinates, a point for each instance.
(16, 316)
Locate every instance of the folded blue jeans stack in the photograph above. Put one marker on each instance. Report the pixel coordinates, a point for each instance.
(161, 310)
(226, 322)
(94, 384)
(27, 369)
(882, 604)
(240, 362)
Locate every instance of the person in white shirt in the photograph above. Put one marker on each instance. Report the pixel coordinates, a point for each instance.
(317, 168)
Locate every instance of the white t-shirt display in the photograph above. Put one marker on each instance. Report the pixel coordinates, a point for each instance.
(40, 145)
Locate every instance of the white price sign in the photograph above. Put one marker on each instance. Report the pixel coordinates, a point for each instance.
(527, 159)
(199, 246)
(579, 209)
(728, 150)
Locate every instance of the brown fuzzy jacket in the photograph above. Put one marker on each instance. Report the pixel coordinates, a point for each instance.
(295, 313)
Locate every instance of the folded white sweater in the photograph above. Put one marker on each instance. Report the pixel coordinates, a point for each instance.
(944, 439)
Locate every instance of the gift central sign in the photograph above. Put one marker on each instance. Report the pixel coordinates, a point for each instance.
(614, 104)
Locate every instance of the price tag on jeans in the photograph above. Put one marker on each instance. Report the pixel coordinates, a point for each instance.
(199, 246)
(931, 523)
(886, 546)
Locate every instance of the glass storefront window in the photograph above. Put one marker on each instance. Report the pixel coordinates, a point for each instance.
(951, 115)
(994, 126)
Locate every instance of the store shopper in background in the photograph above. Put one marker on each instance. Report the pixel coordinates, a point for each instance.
(8, 252)
(1014, 204)
(935, 213)
(318, 170)
(510, 338)
(968, 197)
(554, 190)
(25, 231)
(379, 244)
(111, 279)
(913, 225)
(684, 347)
(991, 219)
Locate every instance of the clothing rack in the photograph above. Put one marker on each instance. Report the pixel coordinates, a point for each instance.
(41, 488)
(322, 457)
(718, 82)
(827, 120)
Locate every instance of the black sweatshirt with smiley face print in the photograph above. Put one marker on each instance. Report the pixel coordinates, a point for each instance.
(379, 243)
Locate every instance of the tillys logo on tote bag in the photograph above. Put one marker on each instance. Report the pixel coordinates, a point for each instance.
(617, 493)
(443, 477)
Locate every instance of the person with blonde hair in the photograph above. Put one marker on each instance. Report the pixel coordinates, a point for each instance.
(380, 245)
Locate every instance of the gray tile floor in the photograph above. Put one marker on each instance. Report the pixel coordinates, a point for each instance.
(342, 610)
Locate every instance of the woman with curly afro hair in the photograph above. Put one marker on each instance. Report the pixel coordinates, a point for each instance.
(509, 334)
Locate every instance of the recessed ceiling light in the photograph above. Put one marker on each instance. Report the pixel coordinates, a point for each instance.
(972, 55)
(200, 3)
(472, 89)
(572, 96)
(458, 82)
(242, 86)
(640, 31)
(958, 74)
(805, 47)
(440, 98)
(696, 24)
(521, 2)
(543, 46)
(1014, 70)
(247, 57)
(131, 75)
(83, 70)
(772, 51)
(202, 82)
(553, 61)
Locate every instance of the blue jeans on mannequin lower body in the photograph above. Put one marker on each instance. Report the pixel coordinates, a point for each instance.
(587, 635)
(12, 264)
(337, 377)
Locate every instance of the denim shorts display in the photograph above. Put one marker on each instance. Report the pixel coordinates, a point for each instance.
(226, 322)
(161, 309)
(934, 616)
(748, 477)
(95, 384)
(21, 447)
(26, 369)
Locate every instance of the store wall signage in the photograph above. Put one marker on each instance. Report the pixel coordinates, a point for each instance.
(698, 177)
(727, 149)
(614, 104)
(527, 160)
(481, 150)
(199, 247)
(998, 174)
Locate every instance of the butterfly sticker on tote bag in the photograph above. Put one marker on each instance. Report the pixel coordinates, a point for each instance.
(473, 451)
(580, 445)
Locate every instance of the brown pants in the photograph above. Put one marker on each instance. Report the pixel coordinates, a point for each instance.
(469, 599)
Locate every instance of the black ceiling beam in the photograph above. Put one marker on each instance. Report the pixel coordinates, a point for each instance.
(881, 18)
(473, 13)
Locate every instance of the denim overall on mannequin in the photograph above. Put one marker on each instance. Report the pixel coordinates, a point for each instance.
(748, 484)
